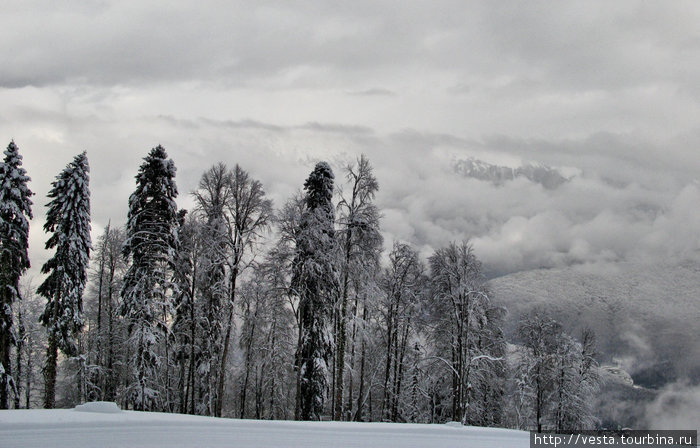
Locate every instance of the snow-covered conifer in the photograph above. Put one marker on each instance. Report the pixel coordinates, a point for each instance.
(315, 281)
(15, 210)
(151, 238)
(68, 219)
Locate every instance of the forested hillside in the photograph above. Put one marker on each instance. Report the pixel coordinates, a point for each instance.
(244, 308)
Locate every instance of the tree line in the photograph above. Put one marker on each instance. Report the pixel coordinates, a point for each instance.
(240, 309)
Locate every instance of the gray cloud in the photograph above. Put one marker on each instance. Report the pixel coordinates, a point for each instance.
(373, 92)
(515, 225)
(535, 48)
(675, 407)
(606, 91)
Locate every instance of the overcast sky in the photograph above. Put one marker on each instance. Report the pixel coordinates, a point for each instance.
(605, 92)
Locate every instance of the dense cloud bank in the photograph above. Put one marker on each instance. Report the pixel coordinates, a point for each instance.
(606, 94)
(518, 224)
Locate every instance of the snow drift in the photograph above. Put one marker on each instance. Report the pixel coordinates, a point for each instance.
(104, 425)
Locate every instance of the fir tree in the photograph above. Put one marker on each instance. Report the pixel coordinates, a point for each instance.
(151, 240)
(68, 219)
(315, 281)
(15, 210)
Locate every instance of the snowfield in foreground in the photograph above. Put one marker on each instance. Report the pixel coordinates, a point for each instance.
(106, 427)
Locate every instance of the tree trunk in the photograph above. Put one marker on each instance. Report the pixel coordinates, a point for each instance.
(361, 390)
(82, 372)
(190, 378)
(340, 353)
(297, 365)
(141, 375)
(28, 382)
(244, 388)
(193, 334)
(399, 375)
(222, 367)
(5, 342)
(395, 378)
(333, 363)
(273, 342)
(20, 347)
(352, 359)
(455, 384)
(224, 356)
(111, 381)
(98, 342)
(50, 373)
(247, 365)
(387, 367)
(258, 394)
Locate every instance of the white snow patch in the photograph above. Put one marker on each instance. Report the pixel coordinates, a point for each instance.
(64, 428)
(102, 407)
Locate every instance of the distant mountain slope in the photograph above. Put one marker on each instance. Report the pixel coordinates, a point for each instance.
(546, 176)
(646, 317)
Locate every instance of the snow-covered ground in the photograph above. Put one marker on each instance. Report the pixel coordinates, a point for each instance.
(105, 426)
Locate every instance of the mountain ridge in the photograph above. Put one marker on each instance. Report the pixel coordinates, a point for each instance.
(645, 315)
(549, 177)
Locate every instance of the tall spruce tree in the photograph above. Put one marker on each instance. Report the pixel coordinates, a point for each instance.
(15, 210)
(68, 218)
(315, 280)
(151, 240)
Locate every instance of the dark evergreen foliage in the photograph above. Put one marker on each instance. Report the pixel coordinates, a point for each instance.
(68, 219)
(15, 211)
(315, 281)
(151, 240)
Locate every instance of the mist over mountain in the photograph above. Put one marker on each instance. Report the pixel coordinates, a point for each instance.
(645, 316)
(546, 176)
(646, 320)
